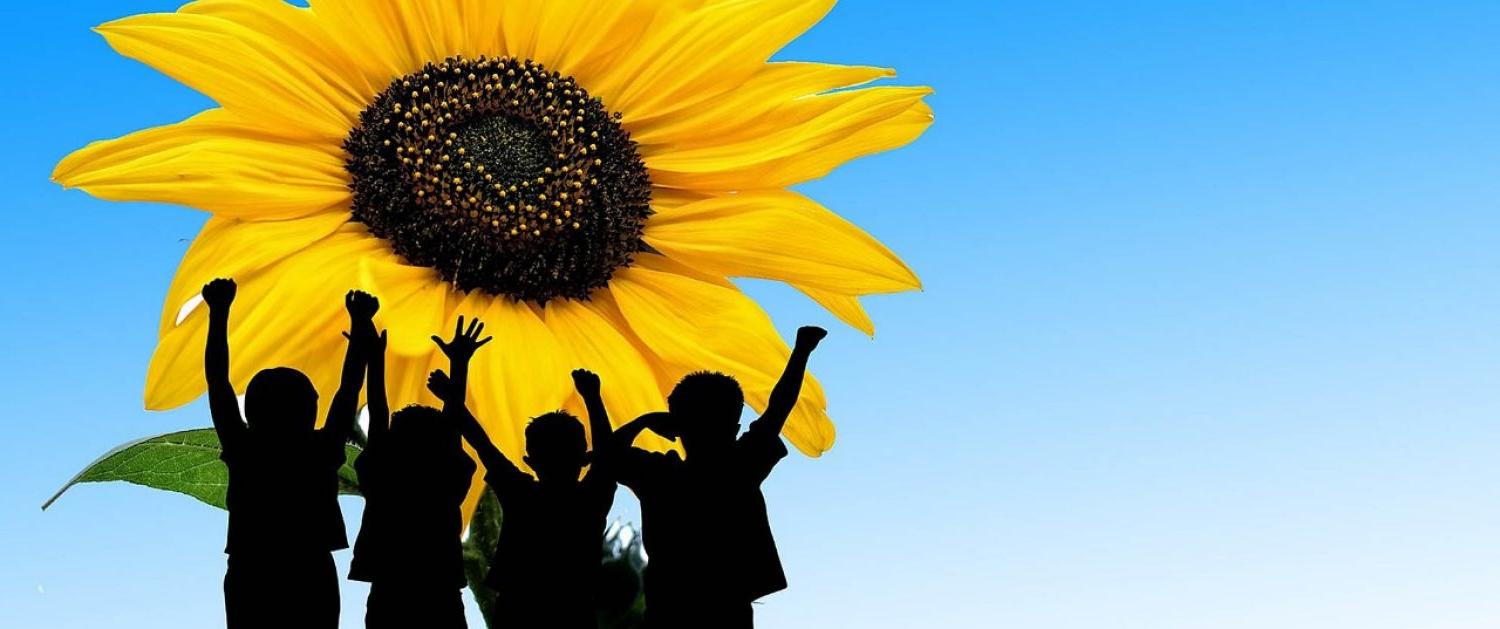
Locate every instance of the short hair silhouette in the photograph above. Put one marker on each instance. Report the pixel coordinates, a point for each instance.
(423, 426)
(555, 443)
(708, 395)
(545, 568)
(282, 496)
(281, 399)
(690, 504)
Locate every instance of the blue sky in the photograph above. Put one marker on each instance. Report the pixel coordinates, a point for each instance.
(1210, 334)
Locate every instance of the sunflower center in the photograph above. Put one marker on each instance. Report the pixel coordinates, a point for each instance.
(502, 176)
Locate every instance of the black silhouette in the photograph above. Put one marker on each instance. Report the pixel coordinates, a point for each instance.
(284, 518)
(414, 475)
(546, 566)
(690, 506)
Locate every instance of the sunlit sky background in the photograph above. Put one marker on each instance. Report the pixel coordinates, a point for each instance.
(1210, 334)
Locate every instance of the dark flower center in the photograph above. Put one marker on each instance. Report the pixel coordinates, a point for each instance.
(502, 176)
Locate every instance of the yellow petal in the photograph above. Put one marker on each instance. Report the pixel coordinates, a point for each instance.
(213, 162)
(845, 307)
(299, 30)
(677, 267)
(266, 80)
(521, 374)
(237, 249)
(692, 325)
(415, 302)
(406, 378)
(576, 37)
(376, 34)
(893, 133)
(702, 53)
(797, 152)
(630, 388)
(778, 235)
(761, 103)
(581, 38)
(290, 315)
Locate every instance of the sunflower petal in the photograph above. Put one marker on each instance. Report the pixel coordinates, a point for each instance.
(214, 162)
(415, 302)
(299, 30)
(630, 386)
(773, 97)
(247, 71)
(581, 38)
(228, 247)
(693, 325)
(893, 133)
(845, 307)
(376, 34)
(797, 152)
(778, 235)
(291, 315)
(406, 378)
(702, 53)
(520, 375)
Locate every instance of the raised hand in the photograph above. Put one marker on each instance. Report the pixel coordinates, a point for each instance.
(465, 342)
(439, 384)
(587, 382)
(808, 337)
(219, 293)
(361, 305)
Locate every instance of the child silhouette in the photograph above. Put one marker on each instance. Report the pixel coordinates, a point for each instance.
(284, 519)
(546, 562)
(414, 475)
(704, 521)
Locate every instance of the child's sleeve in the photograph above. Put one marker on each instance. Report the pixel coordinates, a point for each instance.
(760, 451)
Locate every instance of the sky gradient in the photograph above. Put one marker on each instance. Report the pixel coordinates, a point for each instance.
(1210, 333)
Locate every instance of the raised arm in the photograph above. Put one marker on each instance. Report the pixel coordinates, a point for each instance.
(344, 408)
(222, 404)
(441, 385)
(459, 351)
(380, 410)
(628, 464)
(784, 395)
(621, 439)
(587, 383)
(453, 391)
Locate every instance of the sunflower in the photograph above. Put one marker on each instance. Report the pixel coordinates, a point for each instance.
(582, 175)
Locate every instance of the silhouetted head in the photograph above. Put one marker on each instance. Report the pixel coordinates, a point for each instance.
(706, 409)
(281, 400)
(423, 431)
(555, 447)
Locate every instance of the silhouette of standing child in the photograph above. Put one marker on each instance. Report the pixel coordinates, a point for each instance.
(704, 521)
(546, 563)
(284, 519)
(414, 475)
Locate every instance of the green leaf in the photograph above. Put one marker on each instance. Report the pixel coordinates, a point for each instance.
(479, 547)
(186, 462)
